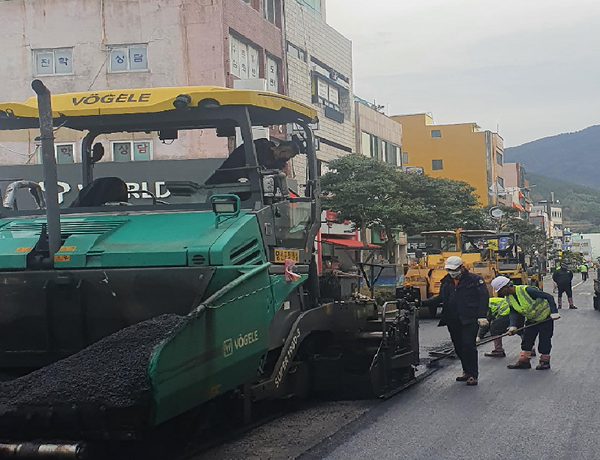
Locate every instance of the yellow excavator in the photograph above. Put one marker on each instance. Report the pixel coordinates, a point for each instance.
(504, 251)
(471, 245)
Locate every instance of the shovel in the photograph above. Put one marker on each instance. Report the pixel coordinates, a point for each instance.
(491, 339)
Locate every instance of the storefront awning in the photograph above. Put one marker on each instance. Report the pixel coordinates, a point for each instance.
(351, 244)
(518, 206)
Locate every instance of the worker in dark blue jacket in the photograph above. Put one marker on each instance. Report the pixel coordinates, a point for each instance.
(464, 296)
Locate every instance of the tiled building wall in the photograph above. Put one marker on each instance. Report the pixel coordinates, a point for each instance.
(187, 44)
(325, 45)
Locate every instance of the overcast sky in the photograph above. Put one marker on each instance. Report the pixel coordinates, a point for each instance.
(530, 67)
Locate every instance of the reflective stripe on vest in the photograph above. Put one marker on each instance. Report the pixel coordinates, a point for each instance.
(498, 307)
(533, 310)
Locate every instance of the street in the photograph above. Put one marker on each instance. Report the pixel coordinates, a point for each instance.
(518, 414)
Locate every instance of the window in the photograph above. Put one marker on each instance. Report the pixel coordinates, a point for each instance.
(296, 52)
(500, 181)
(390, 153)
(437, 165)
(314, 6)
(366, 144)
(243, 59)
(436, 133)
(53, 62)
(122, 150)
(272, 75)
(326, 94)
(404, 158)
(65, 153)
(370, 145)
(385, 151)
(128, 58)
(396, 155)
(269, 10)
(499, 158)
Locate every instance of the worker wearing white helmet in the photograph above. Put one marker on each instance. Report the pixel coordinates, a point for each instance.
(540, 311)
(464, 296)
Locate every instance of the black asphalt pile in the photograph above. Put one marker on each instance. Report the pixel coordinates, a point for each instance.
(112, 372)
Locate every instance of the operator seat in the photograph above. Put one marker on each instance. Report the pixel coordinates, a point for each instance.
(100, 191)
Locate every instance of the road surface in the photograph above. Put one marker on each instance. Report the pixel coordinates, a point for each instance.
(512, 414)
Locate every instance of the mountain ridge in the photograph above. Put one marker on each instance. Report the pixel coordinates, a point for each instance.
(581, 204)
(571, 157)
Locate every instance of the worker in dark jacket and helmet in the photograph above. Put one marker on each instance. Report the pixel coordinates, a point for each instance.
(464, 296)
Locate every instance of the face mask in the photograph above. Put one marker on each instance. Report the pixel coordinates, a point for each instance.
(454, 273)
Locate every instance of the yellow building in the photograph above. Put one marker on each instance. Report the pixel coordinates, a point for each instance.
(459, 151)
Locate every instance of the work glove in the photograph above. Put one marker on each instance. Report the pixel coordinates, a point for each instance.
(512, 330)
(555, 316)
(483, 322)
(478, 339)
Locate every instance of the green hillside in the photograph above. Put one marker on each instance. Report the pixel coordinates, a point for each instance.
(571, 156)
(581, 204)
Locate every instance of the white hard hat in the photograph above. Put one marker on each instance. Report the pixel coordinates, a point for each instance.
(452, 263)
(499, 282)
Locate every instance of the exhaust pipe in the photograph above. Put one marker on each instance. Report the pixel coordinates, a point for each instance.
(51, 451)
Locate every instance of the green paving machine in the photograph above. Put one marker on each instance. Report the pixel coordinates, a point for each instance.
(117, 318)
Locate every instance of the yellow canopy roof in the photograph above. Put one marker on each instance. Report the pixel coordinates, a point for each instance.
(156, 100)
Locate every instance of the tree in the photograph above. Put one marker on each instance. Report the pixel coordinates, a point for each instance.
(369, 193)
(364, 191)
(451, 204)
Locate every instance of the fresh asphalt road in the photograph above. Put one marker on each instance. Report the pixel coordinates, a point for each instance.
(512, 414)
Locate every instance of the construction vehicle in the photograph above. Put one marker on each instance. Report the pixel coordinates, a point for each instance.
(503, 249)
(117, 318)
(427, 274)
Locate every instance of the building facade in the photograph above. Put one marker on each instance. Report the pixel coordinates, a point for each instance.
(319, 73)
(456, 151)
(595, 244)
(91, 45)
(548, 215)
(377, 135)
(583, 246)
(517, 189)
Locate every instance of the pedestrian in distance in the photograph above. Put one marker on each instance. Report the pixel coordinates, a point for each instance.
(564, 279)
(464, 296)
(584, 272)
(540, 312)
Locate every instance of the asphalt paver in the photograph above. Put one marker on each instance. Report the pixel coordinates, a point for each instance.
(516, 414)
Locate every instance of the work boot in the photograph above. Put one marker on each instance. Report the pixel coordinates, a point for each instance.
(524, 361)
(495, 354)
(572, 307)
(544, 363)
(462, 378)
(498, 351)
(473, 381)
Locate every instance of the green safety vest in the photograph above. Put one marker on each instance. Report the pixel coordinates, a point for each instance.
(533, 310)
(498, 307)
(583, 268)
